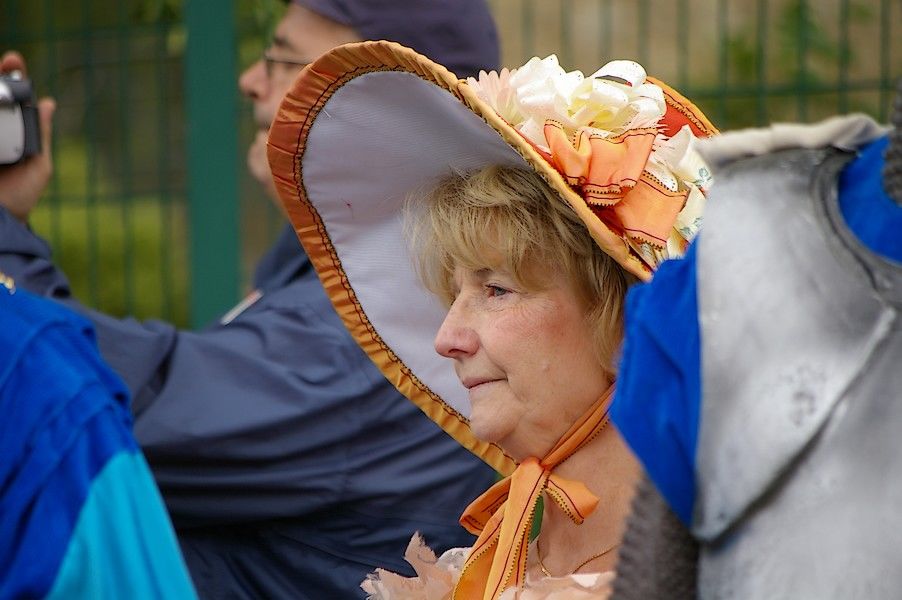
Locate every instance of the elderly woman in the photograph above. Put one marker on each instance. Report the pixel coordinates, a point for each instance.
(532, 328)
(533, 199)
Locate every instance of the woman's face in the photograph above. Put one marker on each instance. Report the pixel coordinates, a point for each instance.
(526, 357)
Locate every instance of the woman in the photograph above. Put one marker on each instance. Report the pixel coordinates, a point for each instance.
(536, 197)
(533, 323)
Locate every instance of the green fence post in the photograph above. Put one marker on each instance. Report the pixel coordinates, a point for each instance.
(212, 157)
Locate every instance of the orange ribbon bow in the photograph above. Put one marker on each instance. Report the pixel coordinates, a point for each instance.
(502, 516)
(610, 175)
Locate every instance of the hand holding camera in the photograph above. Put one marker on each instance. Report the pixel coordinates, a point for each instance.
(20, 132)
(25, 133)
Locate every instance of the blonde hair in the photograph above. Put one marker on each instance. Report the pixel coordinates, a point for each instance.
(509, 217)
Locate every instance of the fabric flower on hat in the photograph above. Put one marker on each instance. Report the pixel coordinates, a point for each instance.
(603, 133)
(496, 89)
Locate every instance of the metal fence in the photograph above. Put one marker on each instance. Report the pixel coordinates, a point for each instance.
(745, 62)
(150, 210)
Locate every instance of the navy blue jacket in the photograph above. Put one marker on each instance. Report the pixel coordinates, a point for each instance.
(290, 466)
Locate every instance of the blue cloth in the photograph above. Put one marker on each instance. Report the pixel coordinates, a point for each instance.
(871, 214)
(290, 466)
(658, 400)
(67, 447)
(123, 545)
(658, 394)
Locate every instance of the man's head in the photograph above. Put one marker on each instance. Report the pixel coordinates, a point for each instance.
(459, 35)
(300, 37)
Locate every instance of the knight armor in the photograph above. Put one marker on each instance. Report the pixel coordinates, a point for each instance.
(798, 449)
(760, 382)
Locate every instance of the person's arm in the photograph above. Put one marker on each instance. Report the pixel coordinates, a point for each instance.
(22, 184)
(135, 350)
(257, 418)
(78, 507)
(244, 421)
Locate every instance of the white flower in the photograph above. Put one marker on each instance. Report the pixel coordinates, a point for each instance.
(494, 89)
(597, 103)
(689, 220)
(544, 89)
(627, 71)
(544, 92)
(680, 155)
(610, 101)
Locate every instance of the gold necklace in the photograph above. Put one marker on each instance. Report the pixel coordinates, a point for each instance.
(580, 566)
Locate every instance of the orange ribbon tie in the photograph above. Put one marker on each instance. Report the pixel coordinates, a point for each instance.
(502, 516)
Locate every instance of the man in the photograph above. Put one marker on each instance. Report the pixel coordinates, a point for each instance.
(291, 468)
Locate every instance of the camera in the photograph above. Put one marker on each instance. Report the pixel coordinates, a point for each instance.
(20, 133)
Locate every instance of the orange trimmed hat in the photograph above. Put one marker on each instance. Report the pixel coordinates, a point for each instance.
(368, 124)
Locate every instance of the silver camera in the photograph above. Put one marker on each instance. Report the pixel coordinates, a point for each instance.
(20, 133)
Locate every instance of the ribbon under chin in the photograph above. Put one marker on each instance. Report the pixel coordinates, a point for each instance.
(502, 516)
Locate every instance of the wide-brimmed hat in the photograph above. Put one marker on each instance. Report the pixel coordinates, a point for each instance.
(370, 123)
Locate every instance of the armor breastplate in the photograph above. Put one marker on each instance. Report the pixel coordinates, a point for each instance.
(799, 459)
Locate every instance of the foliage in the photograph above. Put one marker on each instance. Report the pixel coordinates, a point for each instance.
(127, 257)
(793, 51)
(157, 12)
(116, 211)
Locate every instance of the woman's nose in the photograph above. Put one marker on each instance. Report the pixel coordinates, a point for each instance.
(456, 337)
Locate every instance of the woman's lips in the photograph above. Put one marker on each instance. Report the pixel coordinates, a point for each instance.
(472, 384)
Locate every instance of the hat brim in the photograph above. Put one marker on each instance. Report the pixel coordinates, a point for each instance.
(362, 128)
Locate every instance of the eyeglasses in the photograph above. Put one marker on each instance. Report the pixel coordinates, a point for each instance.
(269, 62)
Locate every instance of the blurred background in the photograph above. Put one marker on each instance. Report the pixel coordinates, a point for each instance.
(151, 211)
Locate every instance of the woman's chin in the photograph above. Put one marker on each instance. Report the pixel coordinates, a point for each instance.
(488, 433)
(490, 428)
(495, 420)
(503, 437)
(506, 437)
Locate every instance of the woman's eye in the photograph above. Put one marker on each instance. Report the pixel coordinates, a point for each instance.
(496, 290)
